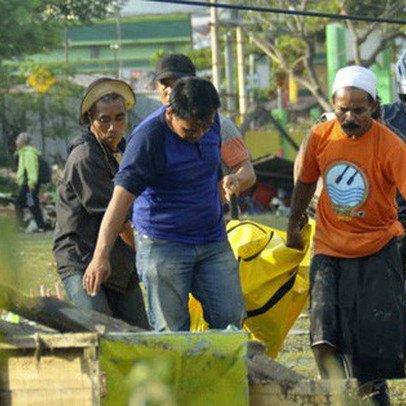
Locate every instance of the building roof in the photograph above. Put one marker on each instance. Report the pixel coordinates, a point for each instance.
(132, 30)
(126, 44)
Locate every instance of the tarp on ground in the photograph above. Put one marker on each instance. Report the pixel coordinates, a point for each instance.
(175, 369)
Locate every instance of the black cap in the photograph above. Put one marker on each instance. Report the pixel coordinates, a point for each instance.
(174, 66)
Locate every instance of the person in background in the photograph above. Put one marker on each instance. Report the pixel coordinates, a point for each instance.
(28, 181)
(357, 295)
(394, 117)
(238, 169)
(170, 173)
(83, 196)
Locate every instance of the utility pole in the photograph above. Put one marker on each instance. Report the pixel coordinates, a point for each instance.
(215, 49)
(242, 86)
(252, 72)
(229, 58)
(118, 48)
(42, 118)
(3, 120)
(114, 48)
(67, 45)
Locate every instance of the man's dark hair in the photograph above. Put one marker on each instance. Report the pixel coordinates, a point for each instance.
(107, 98)
(194, 99)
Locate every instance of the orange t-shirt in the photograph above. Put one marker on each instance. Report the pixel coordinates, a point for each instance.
(357, 210)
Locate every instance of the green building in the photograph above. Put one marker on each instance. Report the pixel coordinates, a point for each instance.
(124, 45)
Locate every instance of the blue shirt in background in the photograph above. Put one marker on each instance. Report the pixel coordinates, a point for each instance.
(175, 182)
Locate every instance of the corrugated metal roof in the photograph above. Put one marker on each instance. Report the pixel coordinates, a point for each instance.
(139, 29)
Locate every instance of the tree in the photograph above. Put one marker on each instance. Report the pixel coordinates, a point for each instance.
(33, 25)
(292, 42)
(361, 32)
(83, 11)
(24, 29)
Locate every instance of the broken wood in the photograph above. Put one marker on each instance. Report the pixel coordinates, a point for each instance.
(59, 315)
(271, 383)
(22, 328)
(261, 368)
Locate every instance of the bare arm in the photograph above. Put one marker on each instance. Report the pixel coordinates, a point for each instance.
(111, 226)
(299, 161)
(302, 195)
(241, 179)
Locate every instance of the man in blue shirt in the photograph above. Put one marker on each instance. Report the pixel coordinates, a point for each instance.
(170, 173)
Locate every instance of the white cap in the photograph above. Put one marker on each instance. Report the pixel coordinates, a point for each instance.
(355, 76)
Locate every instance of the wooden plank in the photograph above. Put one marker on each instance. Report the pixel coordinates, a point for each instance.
(63, 376)
(44, 397)
(59, 315)
(49, 341)
(65, 369)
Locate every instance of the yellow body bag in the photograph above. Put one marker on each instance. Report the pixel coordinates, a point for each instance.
(274, 280)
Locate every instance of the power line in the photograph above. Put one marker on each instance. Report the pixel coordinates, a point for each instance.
(286, 12)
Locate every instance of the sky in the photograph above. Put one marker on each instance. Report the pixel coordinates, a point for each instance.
(137, 7)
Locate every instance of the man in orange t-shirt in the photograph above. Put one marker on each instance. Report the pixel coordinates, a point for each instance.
(358, 303)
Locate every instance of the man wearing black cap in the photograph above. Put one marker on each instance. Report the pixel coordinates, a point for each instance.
(83, 196)
(235, 156)
(170, 173)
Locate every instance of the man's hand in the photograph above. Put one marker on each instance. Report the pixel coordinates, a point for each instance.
(231, 186)
(97, 272)
(113, 220)
(127, 235)
(294, 238)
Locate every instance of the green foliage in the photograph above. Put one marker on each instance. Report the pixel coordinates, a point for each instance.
(201, 57)
(293, 42)
(30, 26)
(7, 185)
(80, 10)
(24, 29)
(370, 8)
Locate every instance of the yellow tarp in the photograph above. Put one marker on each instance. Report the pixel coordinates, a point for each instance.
(274, 280)
(175, 369)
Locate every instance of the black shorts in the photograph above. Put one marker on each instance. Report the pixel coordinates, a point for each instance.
(358, 305)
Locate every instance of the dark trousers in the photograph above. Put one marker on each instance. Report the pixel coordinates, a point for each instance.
(358, 305)
(22, 201)
(127, 306)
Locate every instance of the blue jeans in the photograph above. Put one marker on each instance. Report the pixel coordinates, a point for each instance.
(171, 270)
(127, 306)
